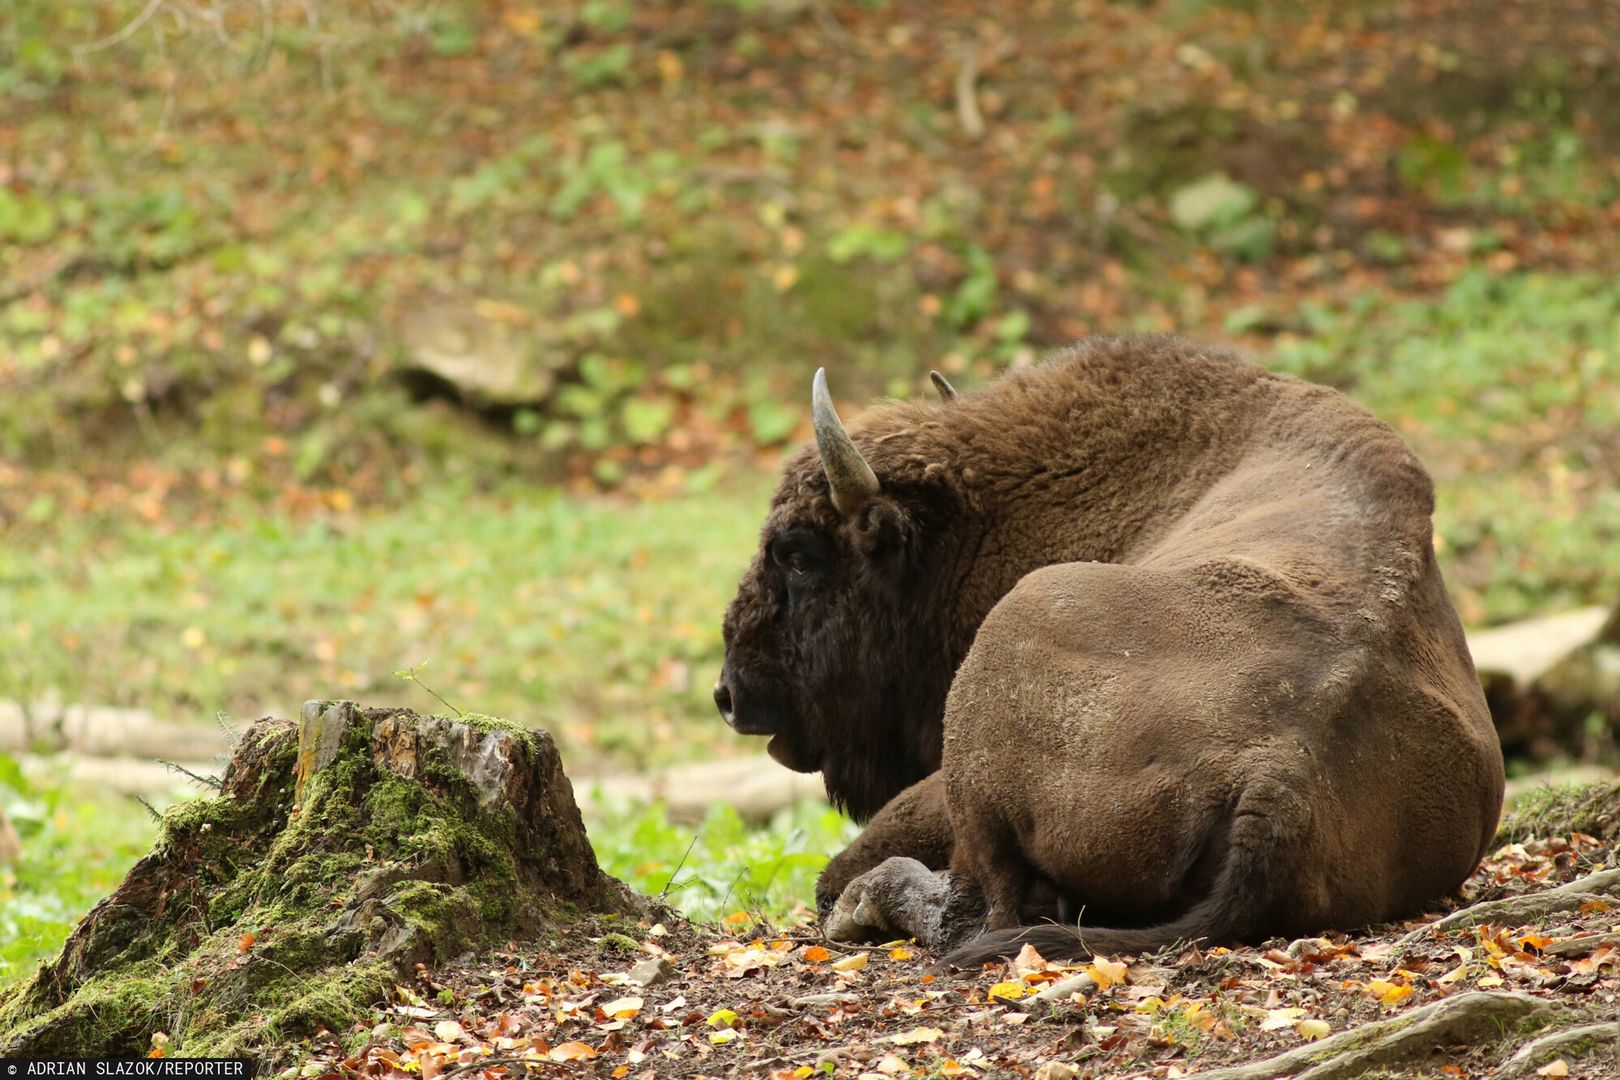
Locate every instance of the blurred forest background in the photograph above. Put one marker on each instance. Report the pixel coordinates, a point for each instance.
(340, 337)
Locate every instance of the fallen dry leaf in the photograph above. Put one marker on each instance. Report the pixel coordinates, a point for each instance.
(1389, 993)
(1277, 1019)
(1007, 991)
(623, 1008)
(1106, 972)
(1028, 960)
(853, 962)
(1311, 1030)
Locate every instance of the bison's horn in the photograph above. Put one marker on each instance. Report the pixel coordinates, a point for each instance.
(947, 392)
(848, 475)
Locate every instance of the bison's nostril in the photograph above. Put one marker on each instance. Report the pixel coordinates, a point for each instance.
(722, 699)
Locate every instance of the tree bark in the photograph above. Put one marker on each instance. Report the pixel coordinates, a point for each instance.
(340, 852)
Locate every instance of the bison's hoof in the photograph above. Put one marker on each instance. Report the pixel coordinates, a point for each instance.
(898, 898)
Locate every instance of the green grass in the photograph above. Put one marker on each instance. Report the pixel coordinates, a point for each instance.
(599, 618)
(721, 869)
(596, 619)
(77, 846)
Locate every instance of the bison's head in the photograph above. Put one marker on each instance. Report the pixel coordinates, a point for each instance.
(842, 640)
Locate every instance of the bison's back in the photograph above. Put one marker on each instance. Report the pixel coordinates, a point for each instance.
(1282, 651)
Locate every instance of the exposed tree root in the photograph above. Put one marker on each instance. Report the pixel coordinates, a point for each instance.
(1581, 946)
(1516, 910)
(1460, 1019)
(1573, 1041)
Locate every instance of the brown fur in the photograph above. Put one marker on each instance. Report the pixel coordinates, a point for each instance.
(1203, 675)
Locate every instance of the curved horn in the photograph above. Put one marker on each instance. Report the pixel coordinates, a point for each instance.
(848, 475)
(947, 392)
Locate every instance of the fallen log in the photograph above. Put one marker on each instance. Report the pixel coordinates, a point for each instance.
(1464, 1018)
(340, 852)
(104, 731)
(1545, 678)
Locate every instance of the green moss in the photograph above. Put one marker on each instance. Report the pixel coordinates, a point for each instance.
(1558, 810)
(494, 725)
(254, 921)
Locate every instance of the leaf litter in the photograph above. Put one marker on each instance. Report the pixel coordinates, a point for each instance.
(782, 1005)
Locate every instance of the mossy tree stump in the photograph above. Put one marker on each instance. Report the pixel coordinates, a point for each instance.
(339, 853)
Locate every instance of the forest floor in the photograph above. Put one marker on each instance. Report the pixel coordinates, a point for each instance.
(785, 1004)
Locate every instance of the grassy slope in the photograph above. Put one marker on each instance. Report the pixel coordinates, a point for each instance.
(600, 617)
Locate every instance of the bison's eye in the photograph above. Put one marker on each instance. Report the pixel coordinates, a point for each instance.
(800, 560)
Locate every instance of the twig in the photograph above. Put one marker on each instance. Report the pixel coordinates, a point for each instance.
(151, 810)
(206, 781)
(123, 34)
(1580, 946)
(490, 1063)
(675, 873)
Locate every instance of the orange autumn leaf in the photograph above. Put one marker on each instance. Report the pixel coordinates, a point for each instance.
(1106, 972)
(572, 1051)
(815, 954)
(1387, 992)
(245, 942)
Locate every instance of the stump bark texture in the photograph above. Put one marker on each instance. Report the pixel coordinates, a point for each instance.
(339, 852)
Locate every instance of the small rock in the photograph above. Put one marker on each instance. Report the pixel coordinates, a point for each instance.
(654, 969)
(1307, 945)
(812, 1001)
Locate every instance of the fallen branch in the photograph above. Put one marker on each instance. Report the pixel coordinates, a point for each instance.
(1587, 1037)
(1517, 910)
(1064, 988)
(967, 95)
(1580, 946)
(1461, 1019)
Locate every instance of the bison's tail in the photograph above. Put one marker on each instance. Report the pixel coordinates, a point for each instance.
(1056, 941)
(1244, 903)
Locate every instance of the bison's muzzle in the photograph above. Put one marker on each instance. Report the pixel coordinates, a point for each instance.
(748, 714)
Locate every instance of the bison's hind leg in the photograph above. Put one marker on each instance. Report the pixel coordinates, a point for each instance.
(989, 856)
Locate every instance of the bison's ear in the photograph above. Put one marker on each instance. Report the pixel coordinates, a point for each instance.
(883, 529)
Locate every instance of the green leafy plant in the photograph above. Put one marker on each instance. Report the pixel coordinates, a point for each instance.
(721, 868)
(1226, 215)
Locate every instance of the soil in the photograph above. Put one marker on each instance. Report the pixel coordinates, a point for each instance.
(783, 1003)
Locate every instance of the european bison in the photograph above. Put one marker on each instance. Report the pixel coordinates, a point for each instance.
(1143, 633)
